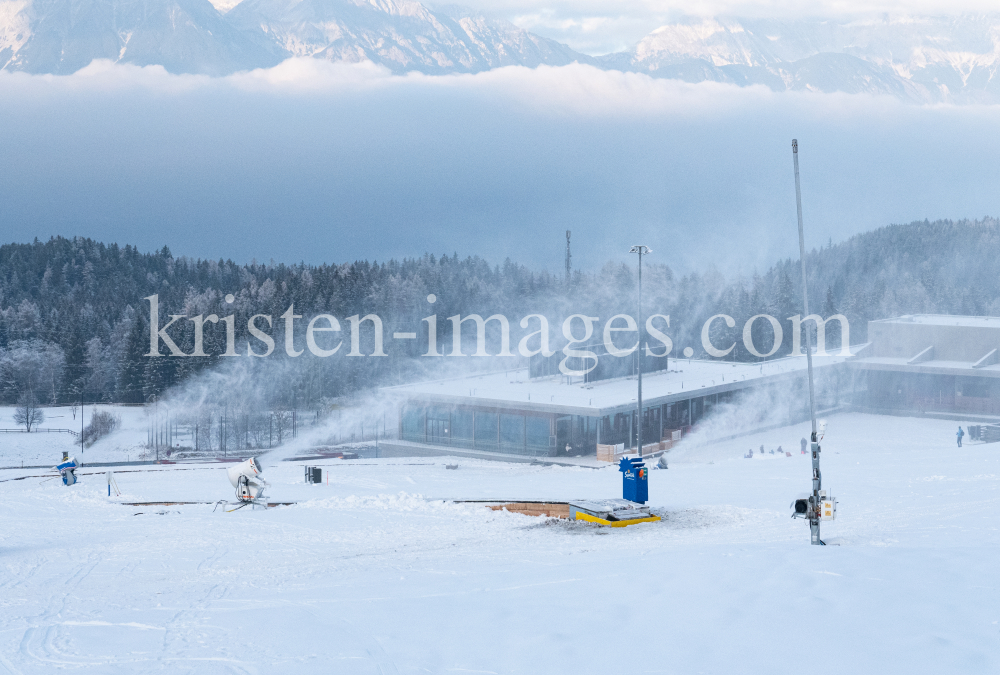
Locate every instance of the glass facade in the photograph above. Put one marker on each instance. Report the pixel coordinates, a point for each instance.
(461, 428)
(512, 434)
(486, 430)
(413, 424)
(479, 430)
(537, 435)
(438, 425)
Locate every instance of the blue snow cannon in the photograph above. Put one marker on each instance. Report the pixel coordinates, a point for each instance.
(67, 469)
(635, 479)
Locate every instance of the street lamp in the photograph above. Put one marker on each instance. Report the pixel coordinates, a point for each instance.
(641, 250)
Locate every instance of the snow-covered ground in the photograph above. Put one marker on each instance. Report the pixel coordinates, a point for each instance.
(376, 572)
(42, 447)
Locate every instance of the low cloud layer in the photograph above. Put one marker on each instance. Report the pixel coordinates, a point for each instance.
(331, 162)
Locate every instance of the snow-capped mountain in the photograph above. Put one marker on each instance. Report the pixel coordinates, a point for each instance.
(195, 36)
(914, 58)
(402, 35)
(62, 36)
(921, 58)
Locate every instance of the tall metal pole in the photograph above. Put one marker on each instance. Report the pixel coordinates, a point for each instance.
(817, 477)
(569, 256)
(640, 249)
(638, 415)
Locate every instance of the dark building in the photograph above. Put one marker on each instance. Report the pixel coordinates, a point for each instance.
(513, 413)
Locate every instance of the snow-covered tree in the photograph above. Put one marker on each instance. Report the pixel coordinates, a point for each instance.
(27, 413)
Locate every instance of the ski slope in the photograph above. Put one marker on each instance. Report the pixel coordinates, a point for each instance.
(379, 571)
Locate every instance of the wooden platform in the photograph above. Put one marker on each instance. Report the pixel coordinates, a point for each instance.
(561, 510)
(269, 504)
(549, 509)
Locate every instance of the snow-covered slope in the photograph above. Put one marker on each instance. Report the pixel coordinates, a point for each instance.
(365, 575)
(922, 58)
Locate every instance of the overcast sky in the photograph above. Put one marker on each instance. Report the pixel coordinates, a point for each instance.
(330, 163)
(603, 26)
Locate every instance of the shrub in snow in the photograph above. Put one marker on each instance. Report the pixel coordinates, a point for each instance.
(101, 424)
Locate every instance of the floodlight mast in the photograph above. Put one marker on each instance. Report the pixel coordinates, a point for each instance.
(817, 477)
(641, 250)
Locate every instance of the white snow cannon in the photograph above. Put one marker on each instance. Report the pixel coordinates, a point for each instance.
(245, 477)
(67, 469)
(822, 508)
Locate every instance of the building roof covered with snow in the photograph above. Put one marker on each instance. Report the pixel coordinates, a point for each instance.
(934, 344)
(685, 379)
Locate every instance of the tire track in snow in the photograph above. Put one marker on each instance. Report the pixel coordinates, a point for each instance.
(373, 648)
(177, 630)
(37, 641)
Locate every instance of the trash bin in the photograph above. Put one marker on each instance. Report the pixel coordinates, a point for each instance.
(635, 477)
(314, 474)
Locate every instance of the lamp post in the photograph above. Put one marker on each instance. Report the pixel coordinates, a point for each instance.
(641, 250)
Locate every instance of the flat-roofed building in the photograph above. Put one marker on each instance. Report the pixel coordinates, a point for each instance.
(932, 363)
(512, 413)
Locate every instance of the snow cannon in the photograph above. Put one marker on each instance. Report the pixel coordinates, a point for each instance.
(824, 507)
(67, 469)
(635, 480)
(245, 477)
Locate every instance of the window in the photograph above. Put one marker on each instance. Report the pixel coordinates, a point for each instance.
(486, 431)
(438, 425)
(461, 428)
(512, 433)
(537, 435)
(413, 423)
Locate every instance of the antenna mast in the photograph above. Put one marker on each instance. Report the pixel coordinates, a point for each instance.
(569, 256)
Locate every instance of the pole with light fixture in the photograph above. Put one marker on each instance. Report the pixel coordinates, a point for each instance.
(641, 250)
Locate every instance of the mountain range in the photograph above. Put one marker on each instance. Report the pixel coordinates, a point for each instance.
(195, 36)
(918, 58)
(924, 59)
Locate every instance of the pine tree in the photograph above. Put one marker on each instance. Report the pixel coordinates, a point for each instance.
(133, 367)
(75, 373)
(159, 374)
(829, 307)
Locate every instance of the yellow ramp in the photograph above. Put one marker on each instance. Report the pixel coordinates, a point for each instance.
(615, 523)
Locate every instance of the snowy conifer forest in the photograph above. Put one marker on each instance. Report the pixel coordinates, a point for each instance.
(74, 322)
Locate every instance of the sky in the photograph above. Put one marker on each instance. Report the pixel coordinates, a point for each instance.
(319, 162)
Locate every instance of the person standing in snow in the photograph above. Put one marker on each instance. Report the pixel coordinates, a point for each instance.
(958, 435)
(804, 442)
